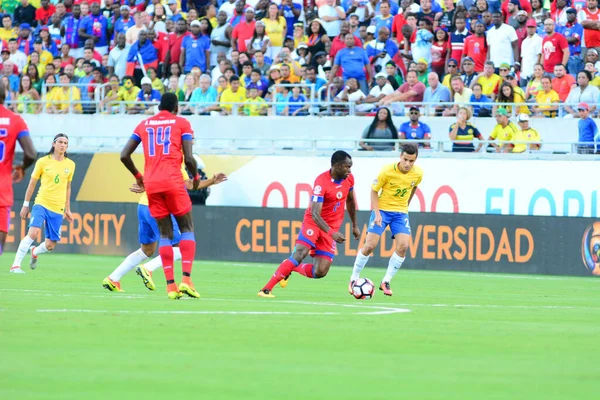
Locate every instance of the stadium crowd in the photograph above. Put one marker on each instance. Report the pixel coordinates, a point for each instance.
(540, 57)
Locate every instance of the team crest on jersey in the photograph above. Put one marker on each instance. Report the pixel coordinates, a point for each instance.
(339, 195)
(414, 134)
(309, 232)
(413, 183)
(318, 189)
(67, 171)
(470, 131)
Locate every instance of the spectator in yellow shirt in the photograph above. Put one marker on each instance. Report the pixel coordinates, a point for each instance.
(64, 99)
(526, 134)
(255, 105)
(275, 28)
(589, 66)
(488, 80)
(108, 103)
(461, 95)
(234, 94)
(504, 132)
(45, 56)
(7, 31)
(129, 92)
(547, 100)
(507, 94)
(299, 36)
(156, 82)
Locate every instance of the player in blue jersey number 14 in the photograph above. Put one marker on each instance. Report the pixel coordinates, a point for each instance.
(391, 194)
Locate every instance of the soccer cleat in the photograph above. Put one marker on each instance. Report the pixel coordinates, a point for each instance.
(33, 259)
(350, 287)
(283, 283)
(16, 270)
(109, 284)
(189, 290)
(173, 291)
(266, 293)
(385, 286)
(146, 277)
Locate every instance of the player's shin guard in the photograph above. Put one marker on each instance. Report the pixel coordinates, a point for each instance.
(308, 270)
(187, 245)
(166, 255)
(284, 269)
(22, 250)
(393, 266)
(40, 249)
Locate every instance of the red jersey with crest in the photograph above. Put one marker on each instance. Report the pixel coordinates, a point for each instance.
(162, 136)
(12, 128)
(333, 195)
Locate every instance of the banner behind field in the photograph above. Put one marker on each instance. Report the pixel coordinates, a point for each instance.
(455, 242)
(470, 186)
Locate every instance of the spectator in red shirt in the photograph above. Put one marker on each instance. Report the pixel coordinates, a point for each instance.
(338, 42)
(160, 41)
(521, 29)
(457, 39)
(524, 5)
(243, 31)
(97, 80)
(476, 46)
(555, 48)
(563, 82)
(175, 40)
(410, 92)
(43, 14)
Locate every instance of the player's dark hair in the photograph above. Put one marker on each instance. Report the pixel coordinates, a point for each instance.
(410, 148)
(58, 136)
(2, 93)
(339, 156)
(169, 102)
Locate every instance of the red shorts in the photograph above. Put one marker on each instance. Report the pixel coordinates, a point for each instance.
(322, 245)
(173, 201)
(4, 218)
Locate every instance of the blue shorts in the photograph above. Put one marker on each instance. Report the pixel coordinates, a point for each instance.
(397, 221)
(52, 220)
(148, 228)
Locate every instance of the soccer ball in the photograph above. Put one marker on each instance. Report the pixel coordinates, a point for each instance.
(363, 289)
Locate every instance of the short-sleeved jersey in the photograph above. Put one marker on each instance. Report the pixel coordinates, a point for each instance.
(415, 132)
(527, 135)
(162, 137)
(144, 199)
(53, 176)
(504, 134)
(333, 195)
(396, 187)
(12, 127)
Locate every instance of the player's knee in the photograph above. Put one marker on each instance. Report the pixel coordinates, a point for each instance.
(401, 249)
(148, 250)
(367, 249)
(33, 234)
(50, 245)
(300, 254)
(320, 273)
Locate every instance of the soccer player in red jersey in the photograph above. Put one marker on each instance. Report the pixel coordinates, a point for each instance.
(332, 191)
(164, 137)
(12, 129)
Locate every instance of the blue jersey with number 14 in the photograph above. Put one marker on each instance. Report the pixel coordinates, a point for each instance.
(162, 136)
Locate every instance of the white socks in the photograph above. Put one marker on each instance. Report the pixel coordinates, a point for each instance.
(393, 266)
(41, 249)
(24, 246)
(359, 264)
(132, 260)
(156, 263)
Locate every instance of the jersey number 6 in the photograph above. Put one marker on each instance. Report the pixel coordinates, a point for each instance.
(3, 134)
(160, 137)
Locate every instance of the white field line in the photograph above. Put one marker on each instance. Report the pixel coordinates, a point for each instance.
(385, 307)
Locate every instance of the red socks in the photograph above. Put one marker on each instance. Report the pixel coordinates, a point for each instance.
(166, 256)
(281, 272)
(306, 270)
(187, 245)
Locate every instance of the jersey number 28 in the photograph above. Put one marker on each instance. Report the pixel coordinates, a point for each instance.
(3, 134)
(159, 137)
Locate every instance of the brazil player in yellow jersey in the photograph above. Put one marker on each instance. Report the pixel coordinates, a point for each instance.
(55, 171)
(391, 194)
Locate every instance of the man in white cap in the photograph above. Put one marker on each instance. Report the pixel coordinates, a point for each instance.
(243, 31)
(525, 134)
(124, 22)
(146, 95)
(381, 89)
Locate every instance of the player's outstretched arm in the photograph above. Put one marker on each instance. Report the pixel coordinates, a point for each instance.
(190, 162)
(126, 159)
(29, 155)
(30, 189)
(68, 215)
(215, 180)
(351, 207)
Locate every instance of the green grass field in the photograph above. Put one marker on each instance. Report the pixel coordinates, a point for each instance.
(467, 336)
